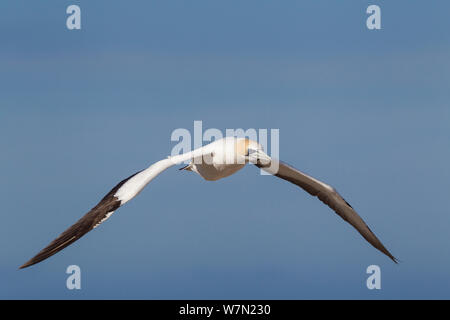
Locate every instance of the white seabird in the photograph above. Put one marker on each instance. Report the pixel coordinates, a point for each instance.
(212, 162)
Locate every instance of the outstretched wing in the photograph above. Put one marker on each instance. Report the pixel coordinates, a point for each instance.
(118, 196)
(331, 198)
(102, 211)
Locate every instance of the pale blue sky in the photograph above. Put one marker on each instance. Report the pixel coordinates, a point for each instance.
(366, 111)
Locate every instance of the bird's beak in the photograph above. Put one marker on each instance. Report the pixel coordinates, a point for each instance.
(259, 157)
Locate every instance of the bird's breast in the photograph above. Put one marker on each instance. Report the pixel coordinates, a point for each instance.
(212, 172)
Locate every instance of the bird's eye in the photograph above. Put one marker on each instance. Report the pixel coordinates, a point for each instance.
(250, 151)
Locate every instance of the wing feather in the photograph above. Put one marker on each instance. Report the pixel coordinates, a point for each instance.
(89, 221)
(331, 198)
(123, 192)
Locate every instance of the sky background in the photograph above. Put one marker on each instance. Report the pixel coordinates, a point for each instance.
(365, 111)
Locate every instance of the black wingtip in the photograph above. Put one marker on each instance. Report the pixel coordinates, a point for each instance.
(26, 264)
(36, 259)
(386, 252)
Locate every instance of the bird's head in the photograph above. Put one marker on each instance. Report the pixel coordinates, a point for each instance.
(253, 152)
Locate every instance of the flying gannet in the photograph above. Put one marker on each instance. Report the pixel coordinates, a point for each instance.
(214, 161)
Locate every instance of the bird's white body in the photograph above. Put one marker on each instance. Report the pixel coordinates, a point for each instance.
(220, 159)
(213, 172)
(212, 162)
